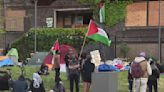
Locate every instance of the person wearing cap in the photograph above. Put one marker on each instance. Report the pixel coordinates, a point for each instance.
(141, 83)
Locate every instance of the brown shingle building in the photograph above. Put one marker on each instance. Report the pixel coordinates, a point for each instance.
(137, 35)
(20, 16)
(50, 13)
(137, 14)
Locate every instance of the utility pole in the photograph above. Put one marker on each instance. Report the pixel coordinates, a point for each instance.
(4, 19)
(159, 31)
(35, 43)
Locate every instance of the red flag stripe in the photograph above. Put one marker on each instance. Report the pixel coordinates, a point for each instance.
(92, 28)
(56, 46)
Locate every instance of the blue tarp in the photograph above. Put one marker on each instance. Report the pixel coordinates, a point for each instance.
(6, 62)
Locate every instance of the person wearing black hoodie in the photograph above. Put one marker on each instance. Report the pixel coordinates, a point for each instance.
(130, 79)
(19, 85)
(153, 79)
(87, 70)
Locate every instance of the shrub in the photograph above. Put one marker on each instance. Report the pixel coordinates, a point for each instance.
(46, 37)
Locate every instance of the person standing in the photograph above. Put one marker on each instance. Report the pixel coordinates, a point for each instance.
(82, 60)
(140, 70)
(87, 69)
(56, 65)
(130, 80)
(66, 59)
(74, 70)
(153, 79)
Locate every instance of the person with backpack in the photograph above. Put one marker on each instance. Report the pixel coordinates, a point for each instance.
(130, 79)
(153, 79)
(74, 70)
(37, 84)
(140, 70)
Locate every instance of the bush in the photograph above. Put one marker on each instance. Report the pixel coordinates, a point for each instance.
(46, 37)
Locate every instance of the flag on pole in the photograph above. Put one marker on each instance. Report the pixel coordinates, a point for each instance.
(55, 47)
(102, 12)
(97, 34)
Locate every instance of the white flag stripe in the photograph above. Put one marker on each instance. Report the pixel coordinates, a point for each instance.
(102, 32)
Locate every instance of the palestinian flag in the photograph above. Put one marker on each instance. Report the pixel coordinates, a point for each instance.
(97, 34)
(55, 46)
(102, 12)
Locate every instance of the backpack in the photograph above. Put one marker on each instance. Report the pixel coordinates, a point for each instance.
(103, 68)
(136, 70)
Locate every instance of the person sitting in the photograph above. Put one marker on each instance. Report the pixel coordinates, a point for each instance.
(19, 85)
(43, 70)
(5, 76)
(36, 84)
(59, 87)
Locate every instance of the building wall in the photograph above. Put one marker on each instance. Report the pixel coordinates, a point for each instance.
(42, 14)
(15, 20)
(151, 49)
(1, 14)
(136, 14)
(73, 19)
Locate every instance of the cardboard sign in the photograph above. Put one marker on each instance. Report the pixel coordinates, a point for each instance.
(95, 57)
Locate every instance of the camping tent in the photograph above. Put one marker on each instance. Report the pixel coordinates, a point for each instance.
(63, 51)
(37, 58)
(5, 61)
(13, 54)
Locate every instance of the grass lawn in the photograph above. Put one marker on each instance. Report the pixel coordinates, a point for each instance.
(49, 80)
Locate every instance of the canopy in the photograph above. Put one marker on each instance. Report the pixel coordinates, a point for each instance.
(5, 61)
(13, 52)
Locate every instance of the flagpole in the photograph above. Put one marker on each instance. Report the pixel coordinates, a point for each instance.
(101, 21)
(84, 41)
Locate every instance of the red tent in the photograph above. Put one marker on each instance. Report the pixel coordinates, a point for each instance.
(63, 51)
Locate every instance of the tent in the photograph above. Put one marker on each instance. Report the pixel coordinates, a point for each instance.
(13, 54)
(5, 61)
(37, 58)
(63, 51)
